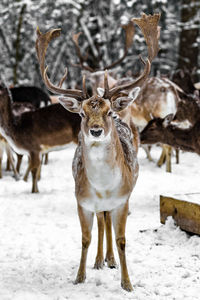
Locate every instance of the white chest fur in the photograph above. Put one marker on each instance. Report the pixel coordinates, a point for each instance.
(105, 181)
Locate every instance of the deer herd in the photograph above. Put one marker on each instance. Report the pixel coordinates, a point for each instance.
(108, 118)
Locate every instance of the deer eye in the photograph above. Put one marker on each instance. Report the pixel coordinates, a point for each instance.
(110, 113)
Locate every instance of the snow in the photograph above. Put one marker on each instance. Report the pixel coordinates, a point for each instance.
(40, 237)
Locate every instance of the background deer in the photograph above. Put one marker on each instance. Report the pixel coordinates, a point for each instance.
(105, 167)
(31, 94)
(163, 131)
(36, 132)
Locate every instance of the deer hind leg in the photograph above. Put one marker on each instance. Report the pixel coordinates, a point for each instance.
(86, 221)
(109, 254)
(11, 160)
(19, 162)
(119, 217)
(99, 262)
(34, 167)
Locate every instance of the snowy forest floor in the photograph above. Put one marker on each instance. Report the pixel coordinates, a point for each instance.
(40, 237)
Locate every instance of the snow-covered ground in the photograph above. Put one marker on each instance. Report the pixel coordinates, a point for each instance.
(40, 237)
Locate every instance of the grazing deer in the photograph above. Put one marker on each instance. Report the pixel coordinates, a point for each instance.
(36, 132)
(105, 167)
(179, 130)
(164, 131)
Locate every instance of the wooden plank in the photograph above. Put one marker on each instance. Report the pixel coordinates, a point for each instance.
(186, 214)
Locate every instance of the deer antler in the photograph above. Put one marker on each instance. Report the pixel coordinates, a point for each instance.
(129, 33)
(41, 46)
(151, 31)
(82, 58)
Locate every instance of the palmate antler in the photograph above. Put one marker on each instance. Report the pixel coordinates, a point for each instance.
(41, 46)
(151, 31)
(129, 34)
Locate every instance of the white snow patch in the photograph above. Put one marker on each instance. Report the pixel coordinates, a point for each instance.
(40, 237)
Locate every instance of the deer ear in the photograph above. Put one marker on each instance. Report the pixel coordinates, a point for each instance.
(71, 104)
(168, 119)
(134, 93)
(122, 102)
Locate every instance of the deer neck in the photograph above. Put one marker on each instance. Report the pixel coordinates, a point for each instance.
(102, 161)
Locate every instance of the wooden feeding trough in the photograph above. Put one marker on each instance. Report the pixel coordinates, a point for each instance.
(185, 214)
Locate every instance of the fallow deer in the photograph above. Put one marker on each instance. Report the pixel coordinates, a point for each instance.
(36, 132)
(105, 167)
(164, 131)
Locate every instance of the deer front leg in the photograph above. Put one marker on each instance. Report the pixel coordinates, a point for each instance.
(35, 169)
(99, 263)
(119, 217)
(109, 253)
(86, 221)
(168, 150)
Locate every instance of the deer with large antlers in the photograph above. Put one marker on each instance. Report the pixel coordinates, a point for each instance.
(157, 98)
(105, 167)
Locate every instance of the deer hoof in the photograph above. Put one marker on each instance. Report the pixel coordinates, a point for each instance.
(99, 263)
(80, 278)
(126, 285)
(111, 263)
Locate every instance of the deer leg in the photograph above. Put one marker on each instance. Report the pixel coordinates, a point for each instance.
(7, 164)
(11, 160)
(168, 150)
(27, 171)
(109, 254)
(86, 221)
(99, 262)
(177, 156)
(119, 217)
(162, 157)
(19, 161)
(46, 159)
(147, 149)
(35, 166)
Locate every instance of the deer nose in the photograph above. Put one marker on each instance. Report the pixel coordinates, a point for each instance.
(96, 132)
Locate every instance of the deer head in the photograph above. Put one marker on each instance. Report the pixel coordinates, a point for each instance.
(155, 130)
(110, 100)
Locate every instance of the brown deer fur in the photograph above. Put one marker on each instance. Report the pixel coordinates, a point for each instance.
(105, 170)
(37, 132)
(160, 130)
